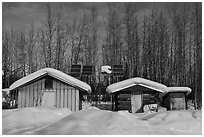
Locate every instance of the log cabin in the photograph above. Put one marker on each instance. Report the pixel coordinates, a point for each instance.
(134, 93)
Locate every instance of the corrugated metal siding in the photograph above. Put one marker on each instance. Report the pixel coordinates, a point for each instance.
(23, 97)
(73, 99)
(27, 96)
(77, 100)
(62, 95)
(19, 99)
(70, 99)
(35, 93)
(65, 95)
(65, 98)
(58, 94)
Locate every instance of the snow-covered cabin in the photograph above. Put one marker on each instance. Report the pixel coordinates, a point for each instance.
(49, 88)
(133, 94)
(175, 98)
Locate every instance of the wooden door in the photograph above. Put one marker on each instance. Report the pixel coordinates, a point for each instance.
(136, 102)
(48, 98)
(178, 104)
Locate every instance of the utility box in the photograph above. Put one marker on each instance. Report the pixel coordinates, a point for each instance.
(175, 98)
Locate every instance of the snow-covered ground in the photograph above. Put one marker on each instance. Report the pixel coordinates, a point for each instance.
(19, 121)
(45, 121)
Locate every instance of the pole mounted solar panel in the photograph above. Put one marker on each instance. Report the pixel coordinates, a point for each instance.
(76, 71)
(117, 70)
(87, 70)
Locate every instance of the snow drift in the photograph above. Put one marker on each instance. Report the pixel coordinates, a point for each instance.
(100, 122)
(19, 121)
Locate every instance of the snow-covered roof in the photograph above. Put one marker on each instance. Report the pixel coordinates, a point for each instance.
(136, 81)
(186, 90)
(179, 89)
(54, 73)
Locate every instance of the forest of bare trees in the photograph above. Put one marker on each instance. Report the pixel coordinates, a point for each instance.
(163, 44)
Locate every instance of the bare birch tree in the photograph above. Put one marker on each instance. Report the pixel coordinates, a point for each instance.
(47, 36)
(113, 40)
(30, 49)
(132, 39)
(62, 37)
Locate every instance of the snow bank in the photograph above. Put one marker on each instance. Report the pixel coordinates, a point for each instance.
(44, 121)
(19, 121)
(101, 122)
(177, 122)
(96, 122)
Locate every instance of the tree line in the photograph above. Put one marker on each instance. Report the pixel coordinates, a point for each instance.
(163, 43)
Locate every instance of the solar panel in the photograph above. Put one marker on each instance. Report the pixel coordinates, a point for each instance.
(87, 70)
(117, 70)
(76, 70)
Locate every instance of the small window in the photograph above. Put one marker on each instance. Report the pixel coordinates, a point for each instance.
(48, 83)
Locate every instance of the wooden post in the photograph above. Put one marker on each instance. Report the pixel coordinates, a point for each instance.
(186, 101)
(195, 98)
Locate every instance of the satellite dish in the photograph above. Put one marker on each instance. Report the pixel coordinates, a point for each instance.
(106, 69)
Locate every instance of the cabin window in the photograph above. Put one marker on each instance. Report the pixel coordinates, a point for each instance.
(149, 99)
(48, 83)
(124, 102)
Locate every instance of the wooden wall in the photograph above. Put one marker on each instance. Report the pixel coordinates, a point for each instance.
(65, 95)
(133, 101)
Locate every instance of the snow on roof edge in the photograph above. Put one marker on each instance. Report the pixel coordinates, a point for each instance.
(27, 78)
(180, 89)
(109, 90)
(136, 81)
(176, 89)
(54, 73)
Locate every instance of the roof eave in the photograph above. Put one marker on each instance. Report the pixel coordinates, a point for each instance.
(135, 82)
